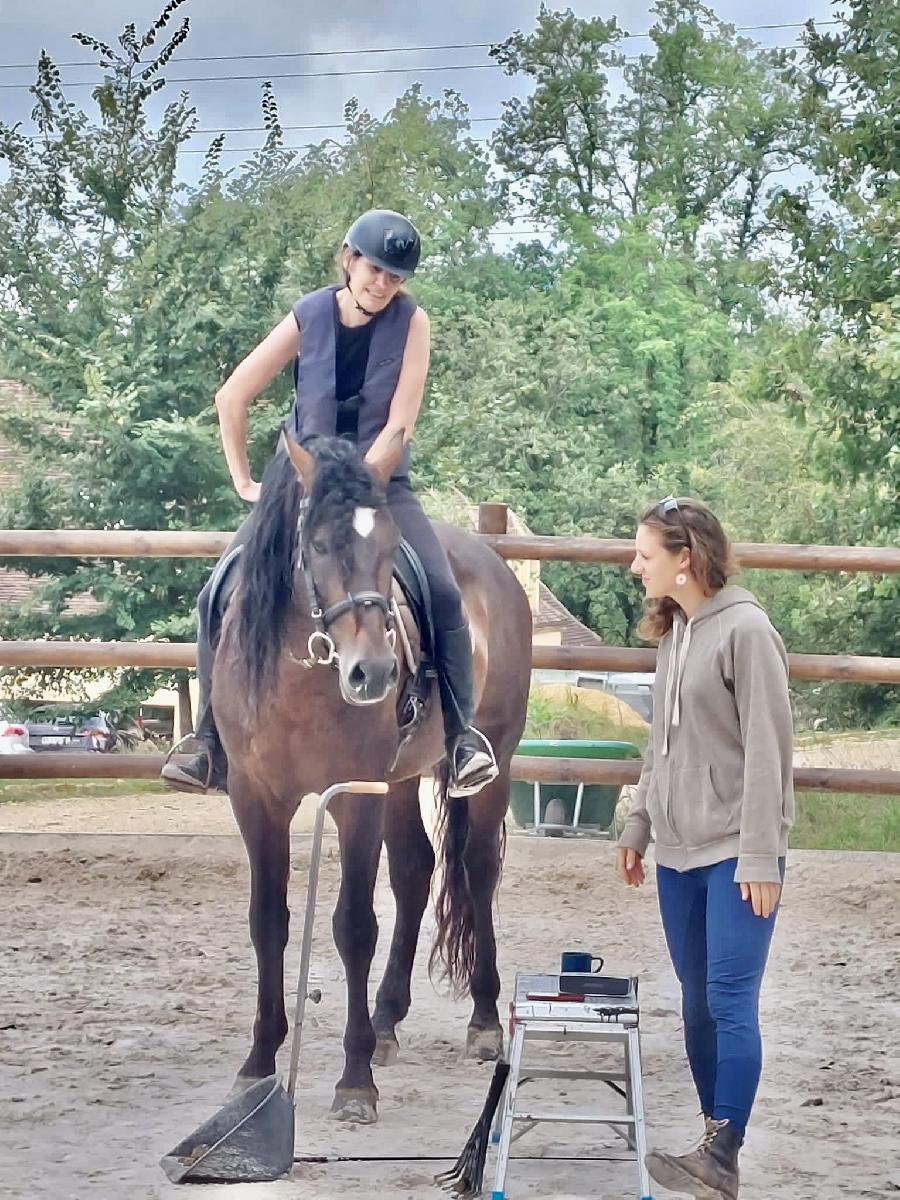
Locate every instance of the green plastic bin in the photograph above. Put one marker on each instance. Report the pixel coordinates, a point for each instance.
(598, 800)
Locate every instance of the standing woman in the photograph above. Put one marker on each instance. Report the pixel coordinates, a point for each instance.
(360, 351)
(716, 792)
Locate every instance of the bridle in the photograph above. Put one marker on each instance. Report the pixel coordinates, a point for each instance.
(320, 647)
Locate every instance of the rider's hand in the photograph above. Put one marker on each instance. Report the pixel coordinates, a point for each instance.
(763, 896)
(248, 491)
(630, 866)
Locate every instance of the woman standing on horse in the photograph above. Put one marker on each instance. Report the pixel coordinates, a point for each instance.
(360, 351)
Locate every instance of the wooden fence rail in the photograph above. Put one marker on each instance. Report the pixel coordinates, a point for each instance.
(87, 765)
(492, 526)
(149, 543)
(159, 655)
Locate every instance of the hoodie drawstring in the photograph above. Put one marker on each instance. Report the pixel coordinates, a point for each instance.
(677, 660)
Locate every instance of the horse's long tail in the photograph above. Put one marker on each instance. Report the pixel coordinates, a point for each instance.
(453, 952)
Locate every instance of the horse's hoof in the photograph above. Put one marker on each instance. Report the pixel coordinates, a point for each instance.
(357, 1107)
(486, 1045)
(387, 1050)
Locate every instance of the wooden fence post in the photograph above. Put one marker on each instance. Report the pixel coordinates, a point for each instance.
(493, 518)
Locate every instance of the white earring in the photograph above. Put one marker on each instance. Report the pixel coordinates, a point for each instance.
(681, 579)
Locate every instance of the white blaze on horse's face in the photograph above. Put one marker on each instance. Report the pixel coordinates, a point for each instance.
(364, 521)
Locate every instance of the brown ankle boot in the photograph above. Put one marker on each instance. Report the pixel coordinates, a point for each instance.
(709, 1171)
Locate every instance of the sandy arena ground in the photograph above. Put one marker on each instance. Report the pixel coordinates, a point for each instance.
(128, 995)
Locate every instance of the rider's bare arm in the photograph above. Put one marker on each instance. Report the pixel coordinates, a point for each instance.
(241, 387)
(407, 399)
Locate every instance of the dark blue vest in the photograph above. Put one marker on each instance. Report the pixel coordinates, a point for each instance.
(315, 404)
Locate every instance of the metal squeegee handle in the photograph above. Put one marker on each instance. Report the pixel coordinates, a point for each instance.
(322, 802)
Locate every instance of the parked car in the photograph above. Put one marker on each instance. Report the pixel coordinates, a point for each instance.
(69, 734)
(100, 732)
(13, 734)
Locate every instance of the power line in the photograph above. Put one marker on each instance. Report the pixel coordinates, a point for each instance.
(304, 128)
(341, 125)
(298, 146)
(386, 49)
(254, 149)
(268, 76)
(290, 75)
(285, 54)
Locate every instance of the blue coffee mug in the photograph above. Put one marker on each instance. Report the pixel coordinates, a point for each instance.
(579, 963)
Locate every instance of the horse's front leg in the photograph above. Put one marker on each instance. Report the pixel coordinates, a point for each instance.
(266, 836)
(359, 821)
(484, 1038)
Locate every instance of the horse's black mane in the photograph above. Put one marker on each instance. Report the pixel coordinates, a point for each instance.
(341, 484)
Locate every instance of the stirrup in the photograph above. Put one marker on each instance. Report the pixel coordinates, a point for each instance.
(173, 775)
(481, 769)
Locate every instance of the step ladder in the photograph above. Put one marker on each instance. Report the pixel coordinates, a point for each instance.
(540, 1013)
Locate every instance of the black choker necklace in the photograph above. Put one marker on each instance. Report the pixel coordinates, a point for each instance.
(359, 307)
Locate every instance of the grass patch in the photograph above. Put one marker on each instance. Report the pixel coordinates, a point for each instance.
(836, 821)
(839, 737)
(17, 790)
(572, 716)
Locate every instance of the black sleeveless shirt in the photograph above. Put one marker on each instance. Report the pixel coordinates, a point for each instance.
(351, 357)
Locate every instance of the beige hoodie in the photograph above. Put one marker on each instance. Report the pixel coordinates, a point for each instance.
(717, 779)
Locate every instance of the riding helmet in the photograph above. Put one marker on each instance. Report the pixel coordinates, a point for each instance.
(386, 239)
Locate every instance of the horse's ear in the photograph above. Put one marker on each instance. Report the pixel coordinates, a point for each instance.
(304, 463)
(387, 462)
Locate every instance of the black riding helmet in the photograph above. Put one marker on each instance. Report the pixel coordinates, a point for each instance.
(386, 239)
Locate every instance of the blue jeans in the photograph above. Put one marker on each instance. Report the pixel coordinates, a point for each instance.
(719, 950)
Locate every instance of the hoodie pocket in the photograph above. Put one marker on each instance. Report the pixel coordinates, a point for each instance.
(696, 813)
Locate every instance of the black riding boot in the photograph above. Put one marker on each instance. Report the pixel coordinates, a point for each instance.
(208, 768)
(469, 753)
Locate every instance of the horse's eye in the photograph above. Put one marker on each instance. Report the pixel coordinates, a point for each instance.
(318, 546)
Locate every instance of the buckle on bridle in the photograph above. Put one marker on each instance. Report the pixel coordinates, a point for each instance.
(319, 657)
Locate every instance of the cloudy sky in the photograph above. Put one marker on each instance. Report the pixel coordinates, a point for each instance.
(266, 27)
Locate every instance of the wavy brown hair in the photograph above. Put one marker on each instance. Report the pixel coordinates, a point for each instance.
(690, 526)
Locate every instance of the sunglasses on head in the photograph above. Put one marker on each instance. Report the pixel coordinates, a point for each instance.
(668, 504)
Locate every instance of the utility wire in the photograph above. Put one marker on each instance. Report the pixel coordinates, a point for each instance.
(305, 128)
(289, 75)
(268, 76)
(386, 49)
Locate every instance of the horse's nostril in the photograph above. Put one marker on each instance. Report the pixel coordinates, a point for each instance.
(394, 674)
(357, 677)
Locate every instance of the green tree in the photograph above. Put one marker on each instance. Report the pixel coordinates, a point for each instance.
(129, 299)
(840, 373)
(844, 374)
(569, 393)
(754, 463)
(698, 131)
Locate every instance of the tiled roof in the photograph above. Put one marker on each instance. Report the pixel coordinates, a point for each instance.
(17, 590)
(12, 395)
(553, 615)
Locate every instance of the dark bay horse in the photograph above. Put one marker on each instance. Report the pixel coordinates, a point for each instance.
(322, 536)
